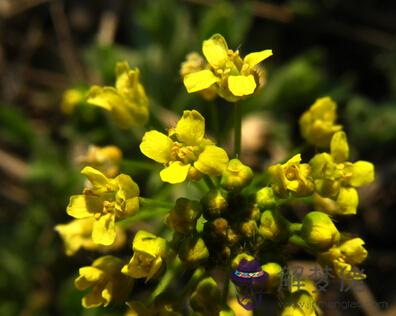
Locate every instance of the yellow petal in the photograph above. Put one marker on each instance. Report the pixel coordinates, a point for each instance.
(339, 147)
(362, 173)
(156, 146)
(104, 97)
(107, 293)
(149, 243)
(253, 59)
(92, 300)
(156, 265)
(176, 172)
(347, 200)
(127, 188)
(212, 161)
(88, 276)
(199, 80)
(104, 230)
(81, 206)
(190, 129)
(241, 85)
(215, 50)
(98, 180)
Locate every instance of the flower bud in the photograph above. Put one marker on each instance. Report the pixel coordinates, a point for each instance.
(214, 204)
(274, 271)
(319, 231)
(236, 176)
(217, 229)
(206, 297)
(235, 262)
(273, 226)
(265, 198)
(249, 229)
(183, 217)
(193, 251)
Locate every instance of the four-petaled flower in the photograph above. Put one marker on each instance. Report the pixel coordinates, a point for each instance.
(107, 201)
(185, 152)
(233, 77)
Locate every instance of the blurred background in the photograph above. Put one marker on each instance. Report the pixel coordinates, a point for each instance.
(345, 49)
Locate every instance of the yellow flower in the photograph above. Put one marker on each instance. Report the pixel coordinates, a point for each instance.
(292, 176)
(344, 257)
(317, 125)
(148, 256)
(274, 271)
(105, 159)
(77, 234)
(108, 201)
(337, 178)
(127, 101)
(234, 78)
(185, 152)
(236, 176)
(106, 280)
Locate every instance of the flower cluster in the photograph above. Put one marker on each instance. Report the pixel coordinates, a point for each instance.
(234, 224)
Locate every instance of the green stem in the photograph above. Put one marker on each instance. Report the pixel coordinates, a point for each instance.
(171, 272)
(146, 202)
(143, 215)
(298, 241)
(237, 129)
(198, 274)
(225, 289)
(209, 182)
(295, 227)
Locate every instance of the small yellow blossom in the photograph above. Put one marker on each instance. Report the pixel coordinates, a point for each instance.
(292, 176)
(317, 125)
(148, 256)
(77, 234)
(185, 152)
(236, 176)
(337, 178)
(105, 159)
(106, 280)
(299, 303)
(274, 271)
(127, 101)
(108, 200)
(233, 78)
(344, 257)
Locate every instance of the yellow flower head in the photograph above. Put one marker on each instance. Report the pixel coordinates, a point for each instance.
(105, 159)
(299, 303)
(317, 125)
(337, 178)
(234, 78)
(106, 280)
(127, 101)
(292, 176)
(107, 201)
(77, 234)
(185, 152)
(344, 257)
(148, 256)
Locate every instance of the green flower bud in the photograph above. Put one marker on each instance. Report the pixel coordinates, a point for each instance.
(205, 299)
(249, 229)
(183, 217)
(193, 251)
(319, 231)
(236, 176)
(265, 198)
(273, 226)
(274, 271)
(299, 304)
(214, 204)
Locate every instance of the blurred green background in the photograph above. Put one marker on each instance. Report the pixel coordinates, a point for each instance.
(345, 49)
